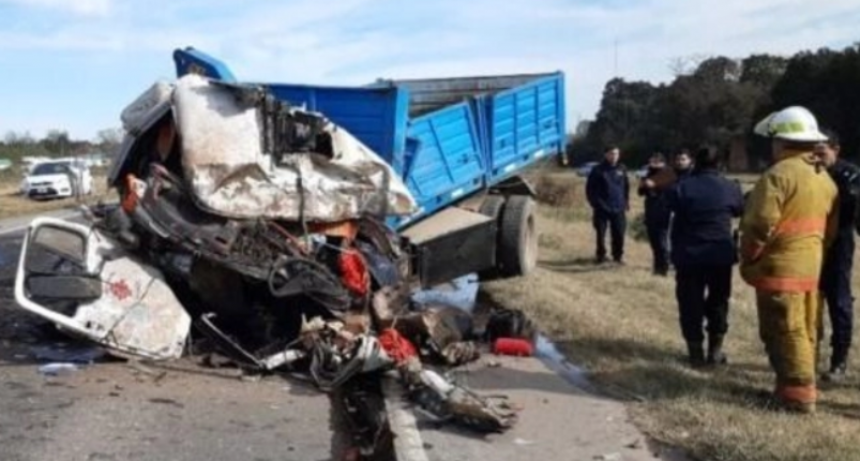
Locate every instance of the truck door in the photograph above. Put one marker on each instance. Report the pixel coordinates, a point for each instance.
(90, 287)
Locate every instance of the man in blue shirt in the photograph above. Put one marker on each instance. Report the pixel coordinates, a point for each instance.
(608, 193)
(703, 252)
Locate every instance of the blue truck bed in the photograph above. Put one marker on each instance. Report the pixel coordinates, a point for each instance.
(448, 138)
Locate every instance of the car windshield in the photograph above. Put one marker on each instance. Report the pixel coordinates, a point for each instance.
(51, 168)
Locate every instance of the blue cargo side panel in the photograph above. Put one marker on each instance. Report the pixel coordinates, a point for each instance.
(525, 124)
(377, 117)
(447, 165)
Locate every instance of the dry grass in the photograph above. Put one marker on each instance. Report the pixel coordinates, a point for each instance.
(622, 325)
(13, 204)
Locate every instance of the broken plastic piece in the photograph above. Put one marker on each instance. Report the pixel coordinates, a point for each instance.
(58, 369)
(284, 358)
(396, 346)
(354, 272)
(513, 346)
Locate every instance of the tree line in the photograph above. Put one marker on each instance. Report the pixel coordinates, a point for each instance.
(56, 143)
(718, 100)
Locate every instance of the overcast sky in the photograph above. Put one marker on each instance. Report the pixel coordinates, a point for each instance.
(74, 64)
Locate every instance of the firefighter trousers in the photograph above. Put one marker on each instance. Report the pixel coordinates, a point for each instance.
(789, 323)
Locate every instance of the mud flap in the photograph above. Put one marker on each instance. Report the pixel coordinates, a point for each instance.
(133, 313)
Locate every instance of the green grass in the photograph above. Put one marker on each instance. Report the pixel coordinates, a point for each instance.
(621, 324)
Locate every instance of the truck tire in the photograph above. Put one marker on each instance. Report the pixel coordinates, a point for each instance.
(518, 239)
(492, 207)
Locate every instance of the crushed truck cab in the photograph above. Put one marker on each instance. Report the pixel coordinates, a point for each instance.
(459, 142)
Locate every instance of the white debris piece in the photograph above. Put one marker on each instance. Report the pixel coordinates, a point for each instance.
(136, 113)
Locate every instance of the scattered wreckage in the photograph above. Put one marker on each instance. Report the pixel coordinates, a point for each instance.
(283, 239)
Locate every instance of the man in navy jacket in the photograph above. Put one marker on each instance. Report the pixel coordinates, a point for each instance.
(608, 193)
(656, 213)
(703, 252)
(838, 260)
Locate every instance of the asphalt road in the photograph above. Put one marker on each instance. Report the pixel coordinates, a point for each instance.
(112, 410)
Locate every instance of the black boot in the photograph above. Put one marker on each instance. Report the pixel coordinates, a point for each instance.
(715, 351)
(838, 365)
(696, 355)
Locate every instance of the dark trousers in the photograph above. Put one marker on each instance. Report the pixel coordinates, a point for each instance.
(617, 225)
(836, 287)
(703, 294)
(658, 237)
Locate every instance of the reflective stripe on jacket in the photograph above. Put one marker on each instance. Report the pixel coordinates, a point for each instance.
(790, 216)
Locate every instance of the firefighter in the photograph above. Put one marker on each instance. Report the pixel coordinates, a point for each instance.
(703, 252)
(656, 213)
(836, 273)
(608, 192)
(788, 221)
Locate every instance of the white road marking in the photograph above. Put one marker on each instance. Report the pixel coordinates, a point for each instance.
(408, 445)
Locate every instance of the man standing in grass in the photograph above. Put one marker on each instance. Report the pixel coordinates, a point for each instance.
(703, 252)
(839, 258)
(789, 218)
(652, 187)
(608, 193)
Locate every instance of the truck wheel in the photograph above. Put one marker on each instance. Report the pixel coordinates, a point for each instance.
(492, 207)
(518, 239)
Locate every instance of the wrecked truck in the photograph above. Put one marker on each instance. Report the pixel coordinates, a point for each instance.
(289, 224)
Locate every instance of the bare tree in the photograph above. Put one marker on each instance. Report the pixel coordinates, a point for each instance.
(109, 139)
(686, 65)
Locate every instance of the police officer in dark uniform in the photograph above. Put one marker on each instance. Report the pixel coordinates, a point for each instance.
(836, 273)
(656, 213)
(703, 252)
(608, 192)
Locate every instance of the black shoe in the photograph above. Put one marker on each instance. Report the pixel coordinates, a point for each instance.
(618, 261)
(838, 365)
(835, 374)
(600, 260)
(696, 355)
(715, 351)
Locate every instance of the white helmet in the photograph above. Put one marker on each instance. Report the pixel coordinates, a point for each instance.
(791, 124)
